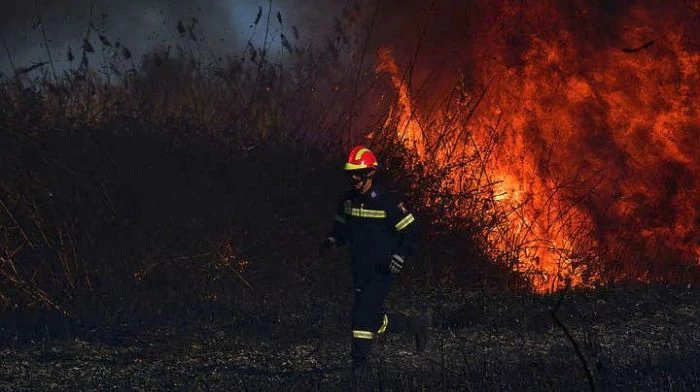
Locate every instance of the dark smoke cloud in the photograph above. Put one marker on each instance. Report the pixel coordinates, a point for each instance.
(224, 25)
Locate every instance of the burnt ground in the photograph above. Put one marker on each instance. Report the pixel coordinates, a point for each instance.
(632, 339)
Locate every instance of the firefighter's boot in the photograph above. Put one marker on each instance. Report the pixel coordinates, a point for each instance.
(418, 327)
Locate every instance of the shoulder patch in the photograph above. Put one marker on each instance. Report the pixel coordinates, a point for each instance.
(403, 208)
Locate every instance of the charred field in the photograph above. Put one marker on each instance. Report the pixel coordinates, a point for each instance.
(160, 218)
(632, 339)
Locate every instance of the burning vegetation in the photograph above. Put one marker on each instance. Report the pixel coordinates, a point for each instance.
(582, 120)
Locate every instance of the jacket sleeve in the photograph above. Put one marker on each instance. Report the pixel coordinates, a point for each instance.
(403, 223)
(340, 233)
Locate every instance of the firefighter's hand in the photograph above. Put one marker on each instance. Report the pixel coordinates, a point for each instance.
(326, 246)
(396, 264)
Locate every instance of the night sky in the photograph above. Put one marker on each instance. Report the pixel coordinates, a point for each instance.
(225, 25)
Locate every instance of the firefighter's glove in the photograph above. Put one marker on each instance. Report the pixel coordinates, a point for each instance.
(326, 245)
(396, 264)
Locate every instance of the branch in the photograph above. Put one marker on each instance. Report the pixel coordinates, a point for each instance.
(563, 327)
(9, 55)
(14, 220)
(637, 49)
(46, 42)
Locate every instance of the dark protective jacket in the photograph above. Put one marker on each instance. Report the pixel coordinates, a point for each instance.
(375, 225)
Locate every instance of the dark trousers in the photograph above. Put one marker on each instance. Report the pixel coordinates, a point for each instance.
(369, 318)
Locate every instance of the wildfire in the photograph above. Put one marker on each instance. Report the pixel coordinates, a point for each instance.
(595, 164)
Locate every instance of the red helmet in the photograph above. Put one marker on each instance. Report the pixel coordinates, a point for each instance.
(361, 158)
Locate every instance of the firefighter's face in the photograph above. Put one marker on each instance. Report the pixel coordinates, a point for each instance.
(360, 179)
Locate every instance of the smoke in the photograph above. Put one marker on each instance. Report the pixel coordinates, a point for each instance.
(221, 27)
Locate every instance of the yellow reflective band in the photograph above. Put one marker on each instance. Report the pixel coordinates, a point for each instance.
(385, 323)
(407, 220)
(352, 166)
(365, 213)
(340, 218)
(362, 334)
(359, 153)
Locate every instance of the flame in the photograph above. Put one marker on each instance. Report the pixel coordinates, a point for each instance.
(402, 113)
(595, 165)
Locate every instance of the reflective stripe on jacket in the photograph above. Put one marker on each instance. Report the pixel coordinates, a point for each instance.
(375, 225)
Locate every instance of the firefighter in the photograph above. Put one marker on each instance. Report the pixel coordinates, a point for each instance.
(380, 231)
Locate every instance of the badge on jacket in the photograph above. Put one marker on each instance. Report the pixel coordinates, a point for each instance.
(403, 208)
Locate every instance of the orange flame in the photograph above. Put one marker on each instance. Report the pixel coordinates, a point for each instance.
(402, 113)
(596, 163)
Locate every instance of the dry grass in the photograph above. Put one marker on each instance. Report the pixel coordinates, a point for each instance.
(123, 181)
